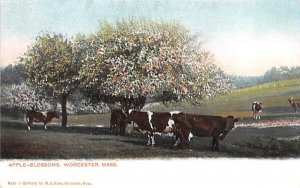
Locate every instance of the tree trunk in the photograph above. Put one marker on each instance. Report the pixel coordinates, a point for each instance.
(64, 111)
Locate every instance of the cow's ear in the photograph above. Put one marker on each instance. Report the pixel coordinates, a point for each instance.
(236, 119)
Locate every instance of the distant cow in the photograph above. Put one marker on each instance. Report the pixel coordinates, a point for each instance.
(117, 122)
(152, 122)
(295, 103)
(256, 109)
(34, 116)
(187, 126)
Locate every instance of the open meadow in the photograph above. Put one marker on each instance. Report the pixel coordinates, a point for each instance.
(276, 135)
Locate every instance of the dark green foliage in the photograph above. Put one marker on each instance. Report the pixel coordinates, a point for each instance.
(12, 74)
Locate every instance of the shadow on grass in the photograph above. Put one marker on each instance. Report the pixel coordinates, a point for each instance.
(242, 142)
(21, 125)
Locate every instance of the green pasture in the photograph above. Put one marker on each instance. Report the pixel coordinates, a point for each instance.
(274, 97)
(284, 88)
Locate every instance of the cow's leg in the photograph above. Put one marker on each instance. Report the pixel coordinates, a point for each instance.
(184, 139)
(111, 127)
(215, 144)
(176, 140)
(152, 139)
(118, 129)
(190, 136)
(123, 129)
(29, 124)
(149, 140)
(186, 143)
(45, 126)
(115, 129)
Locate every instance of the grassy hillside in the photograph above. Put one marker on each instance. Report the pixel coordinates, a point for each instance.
(274, 97)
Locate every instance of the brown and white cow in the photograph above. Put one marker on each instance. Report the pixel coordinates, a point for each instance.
(187, 126)
(117, 121)
(256, 109)
(34, 116)
(152, 122)
(295, 103)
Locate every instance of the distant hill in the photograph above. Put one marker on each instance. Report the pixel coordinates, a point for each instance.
(245, 81)
(272, 75)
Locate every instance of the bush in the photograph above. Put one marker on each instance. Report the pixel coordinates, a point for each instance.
(12, 112)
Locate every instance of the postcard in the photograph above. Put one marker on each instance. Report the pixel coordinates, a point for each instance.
(168, 93)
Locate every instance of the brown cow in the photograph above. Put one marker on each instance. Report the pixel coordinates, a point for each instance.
(117, 122)
(217, 127)
(152, 122)
(33, 116)
(295, 103)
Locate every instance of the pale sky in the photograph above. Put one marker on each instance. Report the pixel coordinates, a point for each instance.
(247, 37)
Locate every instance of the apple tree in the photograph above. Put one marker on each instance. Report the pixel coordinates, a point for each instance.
(52, 66)
(140, 58)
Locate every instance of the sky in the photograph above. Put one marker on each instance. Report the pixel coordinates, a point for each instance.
(247, 37)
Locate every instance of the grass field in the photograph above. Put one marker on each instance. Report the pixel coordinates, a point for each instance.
(274, 97)
(76, 142)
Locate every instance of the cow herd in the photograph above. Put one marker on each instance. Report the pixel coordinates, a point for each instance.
(181, 125)
(257, 107)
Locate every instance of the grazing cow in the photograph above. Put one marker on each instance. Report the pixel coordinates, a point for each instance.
(117, 122)
(187, 126)
(295, 103)
(256, 109)
(152, 122)
(33, 116)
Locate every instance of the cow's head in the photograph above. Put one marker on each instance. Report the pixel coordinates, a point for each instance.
(256, 106)
(230, 121)
(229, 124)
(176, 115)
(130, 116)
